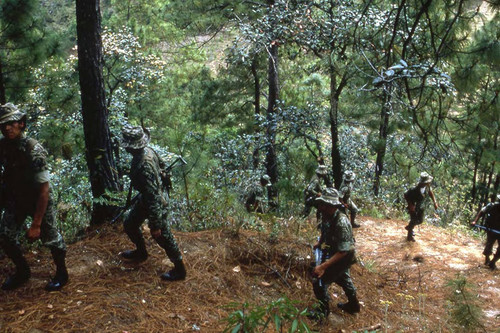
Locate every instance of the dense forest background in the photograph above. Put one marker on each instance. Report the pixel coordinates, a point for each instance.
(387, 89)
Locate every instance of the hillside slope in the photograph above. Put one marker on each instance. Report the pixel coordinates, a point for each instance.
(401, 285)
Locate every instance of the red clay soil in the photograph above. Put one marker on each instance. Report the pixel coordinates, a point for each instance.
(402, 285)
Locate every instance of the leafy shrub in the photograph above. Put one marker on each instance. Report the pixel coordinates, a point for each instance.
(282, 313)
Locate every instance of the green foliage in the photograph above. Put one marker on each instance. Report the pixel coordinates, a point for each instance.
(464, 306)
(281, 315)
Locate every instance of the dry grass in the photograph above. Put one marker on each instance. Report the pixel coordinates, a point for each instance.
(106, 294)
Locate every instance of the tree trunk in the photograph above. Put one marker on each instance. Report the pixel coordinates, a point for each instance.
(271, 158)
(102, 170)
(381, 147)
(3, 98)
(334, 130)
(255, 155)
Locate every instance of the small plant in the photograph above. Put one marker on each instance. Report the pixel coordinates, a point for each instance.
(386, 305)
(464, 309)
(282, 314)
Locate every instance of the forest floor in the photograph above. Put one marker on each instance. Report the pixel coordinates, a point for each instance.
(402, 285)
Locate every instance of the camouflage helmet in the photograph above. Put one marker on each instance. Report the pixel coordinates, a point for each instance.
(266, 180)
(425, 178)
(134, 137)
(322, 170)
(330, 196)
(10, 112)
(349, 176)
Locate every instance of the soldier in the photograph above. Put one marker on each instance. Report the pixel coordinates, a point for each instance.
(492, 224)
(345, 194)
(415, 198)
(255, 196)
(318, 182)
(26, 192)
(152, 203)
(337, 255)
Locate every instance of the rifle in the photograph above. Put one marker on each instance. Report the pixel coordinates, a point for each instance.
(317, 261)
(126, 207)
(165, 173)
(486, 228)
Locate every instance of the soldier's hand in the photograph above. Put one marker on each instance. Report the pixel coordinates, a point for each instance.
(33, 233)
(319, 271)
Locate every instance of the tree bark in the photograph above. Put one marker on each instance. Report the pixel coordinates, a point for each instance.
(382, 143)
(255, 155)
(271, 158)
(334, 130)
(3, 98)
(102, 170)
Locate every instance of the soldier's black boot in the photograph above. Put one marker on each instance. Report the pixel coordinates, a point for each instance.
(493, 261)
(351, 307)
(177, 273)
(139, 254)
(353, 222)
(410, 236)
(61, 277)
(22, 273)
(486, 259)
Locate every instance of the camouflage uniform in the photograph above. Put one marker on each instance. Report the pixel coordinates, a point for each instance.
(345, 194)
(25, 187)
(417, 196)
(492, 221)
(314, 189)
(25, 166)
(336, 236)
(255, 195)
(152, 203)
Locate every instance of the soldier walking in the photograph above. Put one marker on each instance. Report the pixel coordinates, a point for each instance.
(26, 192)
(415, 197)
(337, 256)
(145, 177)
(318, 183)
(345, 194)
(491, 212)
(255, 195)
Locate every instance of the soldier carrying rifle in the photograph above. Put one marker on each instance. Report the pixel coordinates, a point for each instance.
(491, 213)
(337, 255)
(151, 204)
(26, 192)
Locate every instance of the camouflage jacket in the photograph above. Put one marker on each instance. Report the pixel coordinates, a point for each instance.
(417, 197)
(491, 212)
(24, 165)
(145, 178)
(314, 188)
(336, 236)
(345, 191)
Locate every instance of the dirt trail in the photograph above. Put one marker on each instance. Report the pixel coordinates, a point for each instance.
(402, 285)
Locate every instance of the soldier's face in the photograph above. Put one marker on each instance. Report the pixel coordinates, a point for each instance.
(326, 209)
(12, 129)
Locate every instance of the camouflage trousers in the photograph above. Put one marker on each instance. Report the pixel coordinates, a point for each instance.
(353, 209)
(12, 225)
(417, 217)
(341, 277)
(491, 237)
(136, 217)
